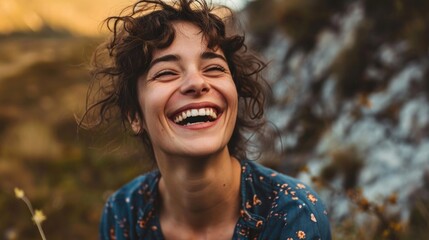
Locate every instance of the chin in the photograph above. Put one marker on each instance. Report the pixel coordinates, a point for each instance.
(204, 152)
(204, 149)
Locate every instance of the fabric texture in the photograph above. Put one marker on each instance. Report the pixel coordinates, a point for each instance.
(273, 206)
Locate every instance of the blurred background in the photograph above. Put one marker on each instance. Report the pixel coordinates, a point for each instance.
(349, 112)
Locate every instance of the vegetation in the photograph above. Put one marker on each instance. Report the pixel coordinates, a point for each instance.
(66, 172)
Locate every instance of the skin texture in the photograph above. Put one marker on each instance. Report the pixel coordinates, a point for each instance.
(200, 180)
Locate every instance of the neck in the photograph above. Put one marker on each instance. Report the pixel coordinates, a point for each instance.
(200, 192)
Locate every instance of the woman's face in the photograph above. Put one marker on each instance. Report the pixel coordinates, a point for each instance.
(188, 97)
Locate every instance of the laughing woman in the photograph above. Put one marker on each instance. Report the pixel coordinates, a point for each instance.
(190, 91)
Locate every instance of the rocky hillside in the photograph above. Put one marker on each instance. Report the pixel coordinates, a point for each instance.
(350, 101)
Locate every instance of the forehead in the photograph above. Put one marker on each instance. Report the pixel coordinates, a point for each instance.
(186, 28)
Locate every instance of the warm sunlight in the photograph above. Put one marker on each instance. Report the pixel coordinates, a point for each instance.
(80, 17)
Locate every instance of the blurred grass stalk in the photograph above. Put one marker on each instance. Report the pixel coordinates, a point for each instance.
(37, 215)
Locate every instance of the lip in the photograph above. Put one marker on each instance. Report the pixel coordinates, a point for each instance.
(196, 106)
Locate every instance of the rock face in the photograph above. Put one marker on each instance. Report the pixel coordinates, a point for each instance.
(350, 101)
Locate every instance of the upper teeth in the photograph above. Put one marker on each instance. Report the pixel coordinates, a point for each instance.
(194, 113)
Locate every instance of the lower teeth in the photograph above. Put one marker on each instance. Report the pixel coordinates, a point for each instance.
(188, 124)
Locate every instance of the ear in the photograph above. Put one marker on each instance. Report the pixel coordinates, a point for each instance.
(136, 123)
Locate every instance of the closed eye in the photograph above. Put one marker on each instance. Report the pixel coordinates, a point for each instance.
(215, 68)
(164, 75)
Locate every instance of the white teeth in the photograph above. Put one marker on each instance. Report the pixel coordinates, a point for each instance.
(194, 113)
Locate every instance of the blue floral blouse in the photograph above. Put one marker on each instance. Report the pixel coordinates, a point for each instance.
(273, 206)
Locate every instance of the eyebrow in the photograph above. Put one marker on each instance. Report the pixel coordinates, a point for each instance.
(212, 55)
(166, 58)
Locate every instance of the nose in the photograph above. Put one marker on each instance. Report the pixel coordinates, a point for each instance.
(195, 85)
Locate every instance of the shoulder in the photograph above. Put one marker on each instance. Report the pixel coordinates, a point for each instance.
(296, 210)
(287, 190)
(275, 181)
(270, 176)
(127, 205)
(141, 187)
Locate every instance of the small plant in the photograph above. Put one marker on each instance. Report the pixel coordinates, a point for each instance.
(37, 215)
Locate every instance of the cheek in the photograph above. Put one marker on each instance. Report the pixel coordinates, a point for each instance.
(153, 101)
(231, 95)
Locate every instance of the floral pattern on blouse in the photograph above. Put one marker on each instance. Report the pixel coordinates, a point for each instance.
(273, 206)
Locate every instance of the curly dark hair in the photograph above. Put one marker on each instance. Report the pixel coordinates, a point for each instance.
(146, 26)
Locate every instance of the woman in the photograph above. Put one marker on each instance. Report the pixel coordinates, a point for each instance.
(190, 91)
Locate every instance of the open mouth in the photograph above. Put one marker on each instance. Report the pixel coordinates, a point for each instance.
(195, 116)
